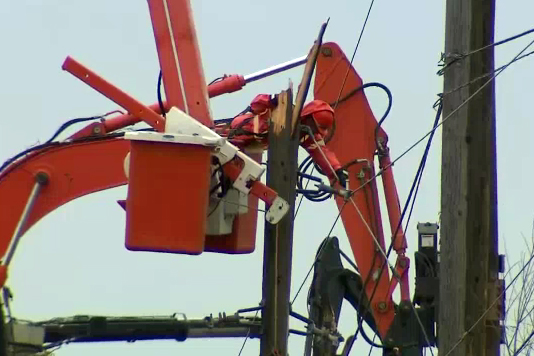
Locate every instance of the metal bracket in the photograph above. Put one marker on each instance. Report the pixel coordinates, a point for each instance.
(277, 211)
(41, 179)
(178, 122)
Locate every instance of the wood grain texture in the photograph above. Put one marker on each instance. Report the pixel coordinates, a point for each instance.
(278, 239)
(469, 256)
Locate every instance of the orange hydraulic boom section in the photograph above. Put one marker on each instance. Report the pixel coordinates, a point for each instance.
(51, 176)
(354, 144)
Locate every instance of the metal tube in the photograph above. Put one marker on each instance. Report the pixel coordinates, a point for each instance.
(275, 69)
(300, 317)
(220, 332)
(23, 219)
(309, 176)
(118, 122)
(309, 340)
(245, 310)
(298, 332)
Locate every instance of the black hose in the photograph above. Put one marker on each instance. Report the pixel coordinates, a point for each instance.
(368, 339)
(305, 165)
(216, 80)
(65, 125)
(318, 196)
(51, 144)
(160, 100)
(357, 90)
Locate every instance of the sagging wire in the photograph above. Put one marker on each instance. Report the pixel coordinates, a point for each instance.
(354, 53)
(414, 189)
(248, 334)
(444, 94)
(431, 133)
(457, 57)
(421, 168)
(416, 143)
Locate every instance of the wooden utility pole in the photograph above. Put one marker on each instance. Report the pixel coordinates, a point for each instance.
(469, 249)
(278, 244)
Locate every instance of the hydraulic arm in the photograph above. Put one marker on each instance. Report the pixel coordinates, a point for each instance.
(332, 284)
(99, 157)
(354, 141)
(103, 153)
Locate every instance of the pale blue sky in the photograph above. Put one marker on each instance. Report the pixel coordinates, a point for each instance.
(74, 260)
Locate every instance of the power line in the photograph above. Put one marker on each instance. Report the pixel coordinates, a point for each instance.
(354, 53)
(491, 306)
(501, 69)
(431, 132)
(392, 271)
(416, 143)
(319, 252)
(457, 57)
(415, 186)
(497, 72)
(460, 106)
(442, 95)
(248, 334)
(342, 85)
